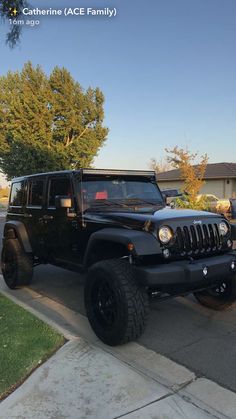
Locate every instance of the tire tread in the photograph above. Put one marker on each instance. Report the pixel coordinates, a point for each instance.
(24, 272)
(136, 298)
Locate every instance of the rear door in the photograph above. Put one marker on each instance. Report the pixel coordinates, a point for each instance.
(34, 211)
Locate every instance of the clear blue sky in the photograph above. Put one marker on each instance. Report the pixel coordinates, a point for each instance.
(167, 69)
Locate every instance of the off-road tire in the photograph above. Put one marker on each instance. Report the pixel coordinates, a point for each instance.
(225, 298)
(129, 302)
(17, 266)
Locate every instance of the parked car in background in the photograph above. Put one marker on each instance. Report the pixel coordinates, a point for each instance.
(170, 195)
(216, 204)
(233, 209)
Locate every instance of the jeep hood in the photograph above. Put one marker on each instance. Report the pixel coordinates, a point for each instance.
(149, 220)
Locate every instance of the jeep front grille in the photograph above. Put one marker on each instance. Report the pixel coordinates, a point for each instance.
(198, 238)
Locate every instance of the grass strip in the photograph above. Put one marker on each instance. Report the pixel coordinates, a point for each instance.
(25, 343)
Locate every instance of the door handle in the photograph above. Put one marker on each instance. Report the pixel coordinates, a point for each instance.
(48, 217)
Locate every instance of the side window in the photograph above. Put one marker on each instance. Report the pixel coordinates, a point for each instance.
(17, 191)
(35, 194)
(59, 186)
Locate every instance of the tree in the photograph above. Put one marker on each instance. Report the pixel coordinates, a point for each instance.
(48, 122)
(160, 166)
(10, 9)
(192, 174)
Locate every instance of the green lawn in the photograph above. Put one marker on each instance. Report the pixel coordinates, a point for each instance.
(25, 342)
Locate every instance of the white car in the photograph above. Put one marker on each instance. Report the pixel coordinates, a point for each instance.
(216, 204)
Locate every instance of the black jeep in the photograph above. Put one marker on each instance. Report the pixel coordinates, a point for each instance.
(113, 224)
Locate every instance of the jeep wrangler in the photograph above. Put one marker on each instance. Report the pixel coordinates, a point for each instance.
(114, 225)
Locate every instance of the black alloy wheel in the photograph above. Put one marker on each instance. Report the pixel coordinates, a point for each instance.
(219, 297)
(17, 265)
(117, 307)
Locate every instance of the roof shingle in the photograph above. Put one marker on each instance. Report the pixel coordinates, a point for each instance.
(213, 171)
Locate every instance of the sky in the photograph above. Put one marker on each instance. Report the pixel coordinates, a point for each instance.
(167, 69)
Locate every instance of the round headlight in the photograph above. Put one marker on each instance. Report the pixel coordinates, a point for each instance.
(223, 228)
(165, 234)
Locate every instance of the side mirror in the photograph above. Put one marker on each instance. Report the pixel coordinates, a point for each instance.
(164, 198)
(63, 202)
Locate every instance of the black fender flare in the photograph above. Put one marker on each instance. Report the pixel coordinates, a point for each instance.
(16, 229)
(144, 243)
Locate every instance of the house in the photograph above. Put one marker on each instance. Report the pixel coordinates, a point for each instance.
(220, 180)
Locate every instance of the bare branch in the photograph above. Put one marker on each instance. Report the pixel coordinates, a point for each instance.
(71, 138)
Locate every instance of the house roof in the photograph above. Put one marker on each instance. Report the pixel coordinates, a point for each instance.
(213, 171)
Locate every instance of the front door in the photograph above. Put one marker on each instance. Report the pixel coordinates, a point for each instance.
(61, 224)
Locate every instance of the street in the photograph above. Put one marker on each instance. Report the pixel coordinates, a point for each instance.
(201, 339)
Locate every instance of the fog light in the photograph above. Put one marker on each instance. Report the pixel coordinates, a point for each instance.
(166, 253)
(229, 243)
(205, 271)
(233, 265)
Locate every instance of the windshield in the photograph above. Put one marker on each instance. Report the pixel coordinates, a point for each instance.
(120, 193)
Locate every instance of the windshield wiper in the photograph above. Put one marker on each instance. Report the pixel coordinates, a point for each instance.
(137, 201)
(107, 203)
(129, 203)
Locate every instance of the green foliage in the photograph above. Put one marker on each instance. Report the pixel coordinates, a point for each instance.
(26, 342)
(48, 123)
(6, 8)
(190, 202)
(191, 174)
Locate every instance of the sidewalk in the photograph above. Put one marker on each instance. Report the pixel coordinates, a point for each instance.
(86, 379)
(82, 381)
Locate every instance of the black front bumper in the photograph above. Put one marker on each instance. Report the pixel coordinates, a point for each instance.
(186, 272)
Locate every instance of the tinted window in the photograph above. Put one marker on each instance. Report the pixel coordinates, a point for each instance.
(120, 189)
(170, 192)
(60, 186)
(210, 198)
(17, 190)
(35, 196)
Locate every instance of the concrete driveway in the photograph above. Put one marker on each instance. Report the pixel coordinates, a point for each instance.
(201, 339)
